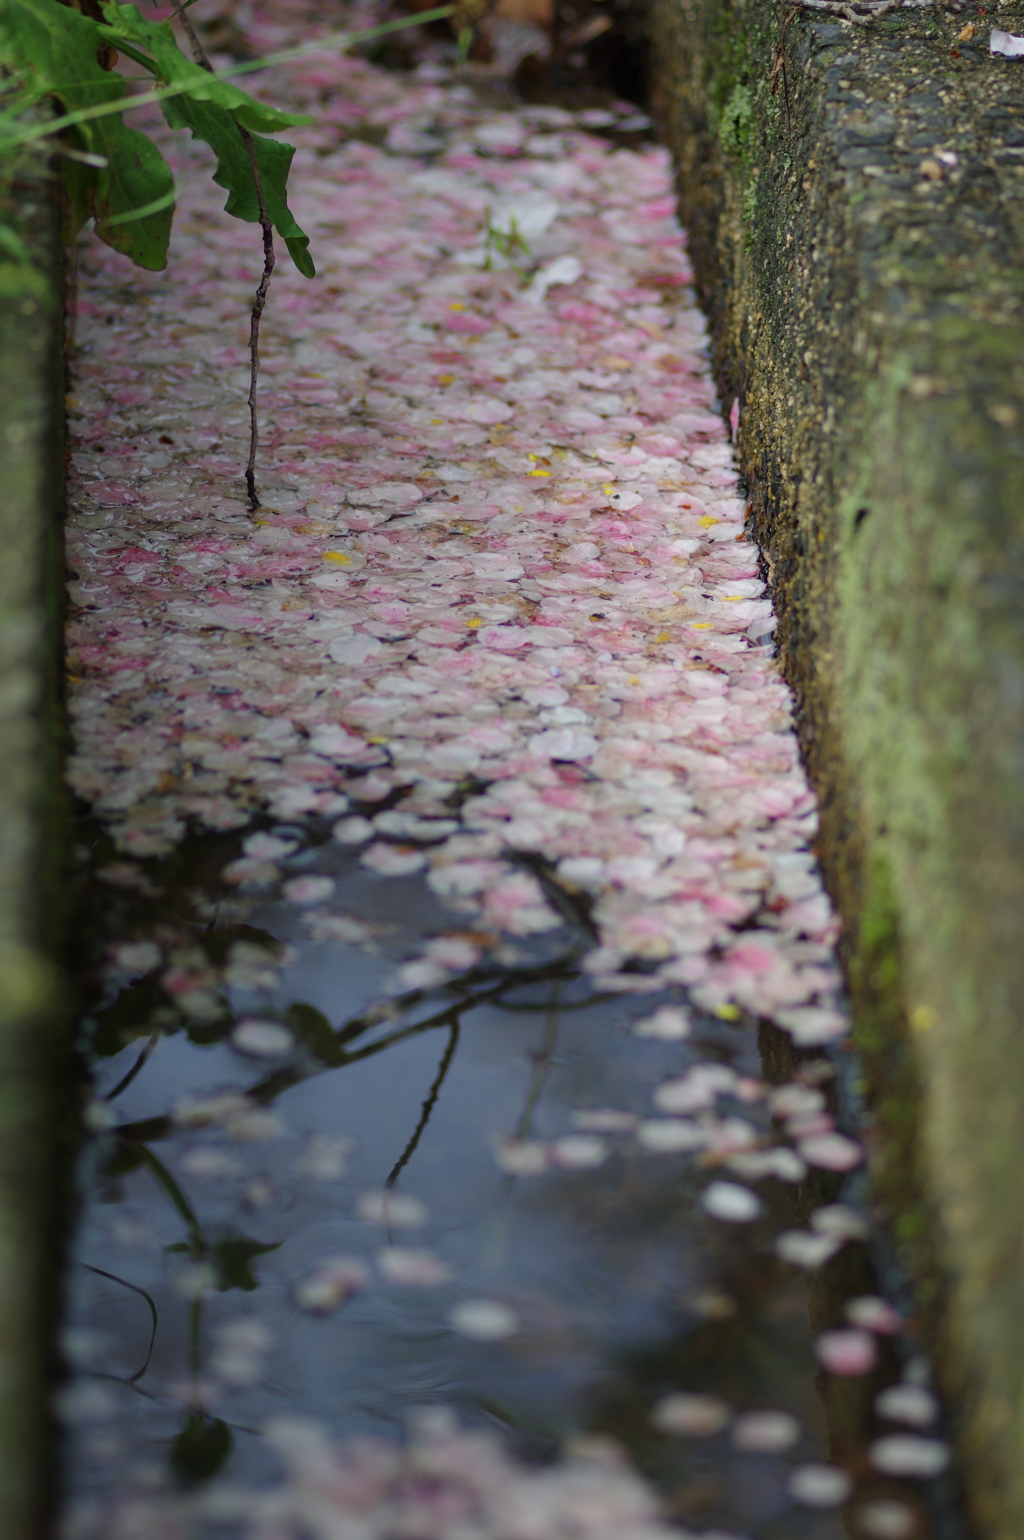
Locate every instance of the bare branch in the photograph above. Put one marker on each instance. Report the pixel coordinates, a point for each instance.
(269, 262)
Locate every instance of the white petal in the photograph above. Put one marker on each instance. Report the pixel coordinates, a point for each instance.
(884, 1519)
(907, 1454)
(832, 1152)
(804, 1248)
(820, 1486)
(352, 831)
(522, 1157)
(579, 1152)
(730, 1202)
(354, 649)
(690, 1415)
(766, 1432)
(262, 1039)
(397, 1210)
(669, 1024)
(667, 1136)
(1006, 43)
(408, 1266)
(485, 1320)
(907, 1403)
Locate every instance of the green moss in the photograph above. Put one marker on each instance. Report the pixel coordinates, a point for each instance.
(911, 1225)
(34, 1037)
(874, 339)
(736, 124)
(750, 207)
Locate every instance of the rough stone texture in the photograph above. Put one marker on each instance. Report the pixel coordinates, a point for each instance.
(33, 1033)
(858, 236)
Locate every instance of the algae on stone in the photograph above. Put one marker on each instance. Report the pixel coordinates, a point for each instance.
(858, 240)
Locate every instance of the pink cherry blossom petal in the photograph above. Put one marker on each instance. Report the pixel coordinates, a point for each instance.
(831, 1151)
(308, 890)
(872, 1313)
(820, 1486)
(908, 1454)
(766, 1432)
(846, 1352)
(692, 1416)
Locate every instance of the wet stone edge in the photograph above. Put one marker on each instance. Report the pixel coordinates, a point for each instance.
(36, 1120)
(855, 202)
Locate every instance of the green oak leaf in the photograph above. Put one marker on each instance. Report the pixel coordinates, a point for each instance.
(124, 24)
(136, 175)
(218, 129)
(56, 47)
(215, 110)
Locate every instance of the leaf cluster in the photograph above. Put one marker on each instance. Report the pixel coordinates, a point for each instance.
(115, 174)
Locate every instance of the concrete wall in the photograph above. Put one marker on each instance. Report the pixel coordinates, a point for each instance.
(855, 197)
(33, 1023)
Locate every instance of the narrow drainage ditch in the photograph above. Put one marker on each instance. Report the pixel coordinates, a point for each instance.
(313, 1194)
(473, 1150)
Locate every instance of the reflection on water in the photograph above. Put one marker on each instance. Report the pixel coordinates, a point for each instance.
(321, 1185)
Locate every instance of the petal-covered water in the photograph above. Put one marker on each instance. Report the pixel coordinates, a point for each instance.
(463, 1016)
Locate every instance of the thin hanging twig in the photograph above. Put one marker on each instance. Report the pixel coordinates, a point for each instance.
(198, 51)
(269, 262)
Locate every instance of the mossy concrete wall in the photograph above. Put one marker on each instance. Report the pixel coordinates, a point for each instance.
(855, 201)
(33, 1024)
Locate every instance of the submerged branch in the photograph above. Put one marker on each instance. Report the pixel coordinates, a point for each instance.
(280, 1080)
(429, 1103)
(152, 1311)
(140, 1062)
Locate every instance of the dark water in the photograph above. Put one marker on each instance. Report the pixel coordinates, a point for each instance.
(623, 1288)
